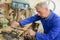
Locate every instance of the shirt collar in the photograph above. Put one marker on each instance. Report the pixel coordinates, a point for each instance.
(51, 15)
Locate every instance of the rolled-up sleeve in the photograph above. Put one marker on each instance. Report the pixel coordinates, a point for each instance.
(53, 33)
(29, 20)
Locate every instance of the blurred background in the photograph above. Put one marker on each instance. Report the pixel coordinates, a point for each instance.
(17, 10)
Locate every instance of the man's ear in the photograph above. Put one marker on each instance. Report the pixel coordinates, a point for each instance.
(46, 9)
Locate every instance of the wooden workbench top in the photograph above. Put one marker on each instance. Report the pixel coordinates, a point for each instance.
(9, 29)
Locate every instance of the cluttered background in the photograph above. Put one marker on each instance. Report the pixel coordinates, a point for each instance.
(16, 10)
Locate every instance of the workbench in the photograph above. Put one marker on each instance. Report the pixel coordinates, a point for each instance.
(9, 29)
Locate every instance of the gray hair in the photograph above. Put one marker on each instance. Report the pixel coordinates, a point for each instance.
(42, 5)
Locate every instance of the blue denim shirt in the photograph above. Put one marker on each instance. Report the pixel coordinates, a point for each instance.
(51, 26)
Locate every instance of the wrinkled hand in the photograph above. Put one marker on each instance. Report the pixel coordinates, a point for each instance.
(31, 32)
(14, 24)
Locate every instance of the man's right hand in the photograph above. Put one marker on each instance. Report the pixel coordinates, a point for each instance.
(14, 24)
